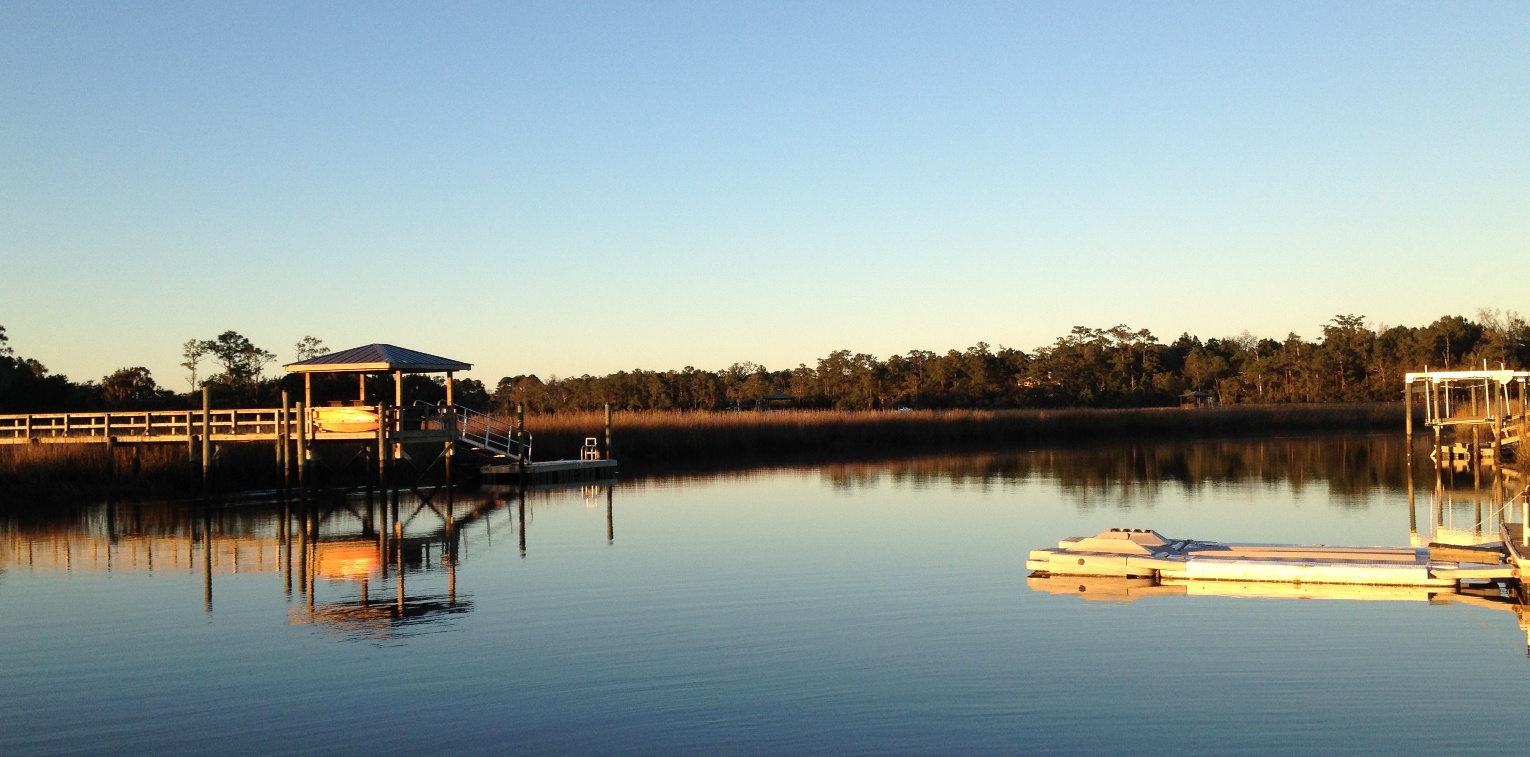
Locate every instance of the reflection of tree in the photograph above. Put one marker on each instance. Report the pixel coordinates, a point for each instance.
(1351, 467)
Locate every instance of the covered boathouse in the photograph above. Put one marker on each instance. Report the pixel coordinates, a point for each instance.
(385, 432)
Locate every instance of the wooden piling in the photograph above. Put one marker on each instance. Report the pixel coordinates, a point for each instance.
(111, 447)
(520, 434)
(382, 444)
(206, 433)
(302, 446)
(284, 442)
(609, 456)
(1408, 411)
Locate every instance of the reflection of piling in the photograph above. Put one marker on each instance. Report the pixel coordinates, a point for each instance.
(1412, 511)
(521, 516)
(303, 547)
(399, 578)
(206, 559)
(286, 541)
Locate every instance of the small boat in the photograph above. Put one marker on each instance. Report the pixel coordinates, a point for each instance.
(344, 420)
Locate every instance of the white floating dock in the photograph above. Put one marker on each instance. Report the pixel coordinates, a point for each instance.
(1144, 554)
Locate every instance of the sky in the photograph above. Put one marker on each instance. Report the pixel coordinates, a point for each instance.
(570, 188)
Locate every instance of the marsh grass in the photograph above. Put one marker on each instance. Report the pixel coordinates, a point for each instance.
(673, 440)
(672, 437)
(62, 471)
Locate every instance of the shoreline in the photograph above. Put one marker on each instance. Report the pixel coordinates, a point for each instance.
(647, 438)
(657, 442)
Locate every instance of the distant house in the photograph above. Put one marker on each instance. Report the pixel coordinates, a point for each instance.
(779, 400)
(1197, 399)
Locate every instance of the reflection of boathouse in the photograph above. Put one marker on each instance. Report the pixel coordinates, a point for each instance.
(365, 567)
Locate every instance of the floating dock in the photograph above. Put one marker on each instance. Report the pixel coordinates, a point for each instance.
(1124, 565)
(554, 472)
(1132, 553)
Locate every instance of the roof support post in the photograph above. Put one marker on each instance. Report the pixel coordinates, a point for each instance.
(449, 387)
(361, 387)
(308, 389)
(398, 388)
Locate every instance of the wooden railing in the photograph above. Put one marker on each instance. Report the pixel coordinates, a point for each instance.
(141, 425)
(491, 434)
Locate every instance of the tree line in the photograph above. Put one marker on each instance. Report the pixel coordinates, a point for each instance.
(1089, 367)
(1350, 361)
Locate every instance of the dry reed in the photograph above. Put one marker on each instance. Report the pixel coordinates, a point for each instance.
(673, 437)
(679, 439)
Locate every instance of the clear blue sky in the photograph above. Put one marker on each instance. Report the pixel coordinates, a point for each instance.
(561, 188)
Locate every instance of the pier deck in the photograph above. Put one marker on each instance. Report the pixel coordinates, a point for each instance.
(368, 424)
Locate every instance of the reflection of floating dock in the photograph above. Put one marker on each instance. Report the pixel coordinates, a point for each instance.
(1144, 554)
(1114, 589)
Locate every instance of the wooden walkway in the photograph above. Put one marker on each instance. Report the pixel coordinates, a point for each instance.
(142, 427)
(420, 424)
(293, 430)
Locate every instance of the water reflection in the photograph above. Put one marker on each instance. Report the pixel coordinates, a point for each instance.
(349, 564)
(1352, 467)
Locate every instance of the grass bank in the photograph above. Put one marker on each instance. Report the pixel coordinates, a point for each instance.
(670, 440)
(675, 437)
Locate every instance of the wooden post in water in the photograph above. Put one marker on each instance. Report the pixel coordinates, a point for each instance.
(1498, 405)
(382, 442)
(111, 446)
(608, 431)
(302, 447)
(520, 433)
(284, 441)
(1408, 412)
(206, 434)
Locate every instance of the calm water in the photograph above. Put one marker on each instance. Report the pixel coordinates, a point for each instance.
(865, 608)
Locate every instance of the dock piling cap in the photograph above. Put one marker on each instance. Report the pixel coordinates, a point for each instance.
(1131, 541)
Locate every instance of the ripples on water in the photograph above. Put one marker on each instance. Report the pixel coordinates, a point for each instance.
(852, 608)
